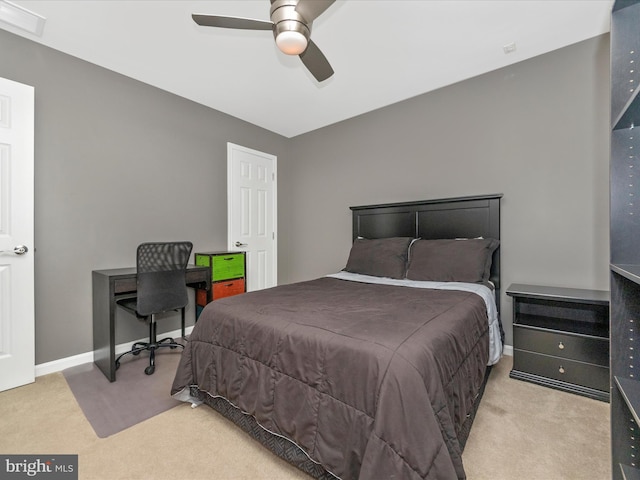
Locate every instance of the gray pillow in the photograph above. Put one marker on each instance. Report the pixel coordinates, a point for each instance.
(380, 257)
(465, 260)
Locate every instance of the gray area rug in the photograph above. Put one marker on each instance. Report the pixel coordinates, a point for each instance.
(132, 398)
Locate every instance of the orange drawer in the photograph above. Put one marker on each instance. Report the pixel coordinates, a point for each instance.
(227, 289)
(201, 297)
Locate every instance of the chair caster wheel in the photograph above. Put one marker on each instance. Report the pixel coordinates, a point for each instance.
(150, 369)
(173, 347)
(117, 365)
(136, 353)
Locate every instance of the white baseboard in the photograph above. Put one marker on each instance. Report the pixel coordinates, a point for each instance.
(61, 364)
(87, 357)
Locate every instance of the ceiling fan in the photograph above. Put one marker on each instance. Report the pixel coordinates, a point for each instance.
(291, 22)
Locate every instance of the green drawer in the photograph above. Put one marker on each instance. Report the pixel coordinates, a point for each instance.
(224, 266)
(227, 266)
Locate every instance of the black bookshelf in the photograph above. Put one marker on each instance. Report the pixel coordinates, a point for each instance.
(624, 235)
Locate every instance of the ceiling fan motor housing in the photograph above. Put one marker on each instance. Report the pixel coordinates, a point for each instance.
(286, 19)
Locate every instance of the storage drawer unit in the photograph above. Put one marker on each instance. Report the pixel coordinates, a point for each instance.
(227, 276)
(561, 338)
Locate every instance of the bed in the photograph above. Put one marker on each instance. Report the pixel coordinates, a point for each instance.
(375, 371)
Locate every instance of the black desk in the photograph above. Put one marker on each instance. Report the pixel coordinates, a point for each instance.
(109, 286)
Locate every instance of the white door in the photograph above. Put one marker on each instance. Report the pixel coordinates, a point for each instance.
(17, 339)
(251, 183)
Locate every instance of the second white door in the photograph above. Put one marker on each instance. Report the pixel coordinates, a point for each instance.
(252, 202)
(17, 313)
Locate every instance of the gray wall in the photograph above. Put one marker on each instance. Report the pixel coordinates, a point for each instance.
(117, 162)
(535, 131)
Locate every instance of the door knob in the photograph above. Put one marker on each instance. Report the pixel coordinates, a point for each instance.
(19, 250)
(239, 244)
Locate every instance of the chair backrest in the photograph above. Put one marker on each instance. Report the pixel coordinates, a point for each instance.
(161, 276)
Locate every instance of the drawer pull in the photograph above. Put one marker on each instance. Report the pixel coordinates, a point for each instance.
(561, 346)
(561, 369)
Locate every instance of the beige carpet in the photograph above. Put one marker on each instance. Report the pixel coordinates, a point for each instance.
(522, 432)
(525, 431)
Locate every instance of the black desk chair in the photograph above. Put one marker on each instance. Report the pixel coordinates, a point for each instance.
(161, 287)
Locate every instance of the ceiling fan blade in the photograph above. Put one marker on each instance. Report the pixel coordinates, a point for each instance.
(312, 9)
(230, 22)
(316, 62)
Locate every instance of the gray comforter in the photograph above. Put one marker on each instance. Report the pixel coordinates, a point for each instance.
(371, 381)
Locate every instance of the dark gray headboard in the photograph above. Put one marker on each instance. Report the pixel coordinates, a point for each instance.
(462, 217)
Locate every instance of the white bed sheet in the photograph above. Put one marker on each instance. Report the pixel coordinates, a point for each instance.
(495, 338)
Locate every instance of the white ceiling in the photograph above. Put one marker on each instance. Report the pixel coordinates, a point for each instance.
(382, 51)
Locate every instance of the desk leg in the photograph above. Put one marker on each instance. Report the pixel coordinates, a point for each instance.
(104, 325)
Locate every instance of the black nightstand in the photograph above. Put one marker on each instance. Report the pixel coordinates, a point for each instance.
(561, 338)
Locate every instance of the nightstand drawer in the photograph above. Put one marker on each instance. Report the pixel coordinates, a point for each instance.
(574, 347)
(562, 369)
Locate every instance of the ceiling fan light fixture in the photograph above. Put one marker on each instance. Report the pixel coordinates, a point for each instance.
(291, 42)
